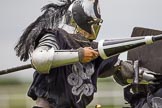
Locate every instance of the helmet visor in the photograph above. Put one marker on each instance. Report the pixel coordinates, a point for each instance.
(95, 28)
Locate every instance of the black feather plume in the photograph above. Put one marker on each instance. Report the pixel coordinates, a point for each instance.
(49, 20)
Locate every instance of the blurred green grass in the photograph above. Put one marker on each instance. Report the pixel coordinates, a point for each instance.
(13, 94)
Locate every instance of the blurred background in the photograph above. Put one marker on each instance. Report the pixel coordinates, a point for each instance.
(120, 17)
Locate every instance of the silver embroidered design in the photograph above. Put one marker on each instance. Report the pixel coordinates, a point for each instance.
(80, 79)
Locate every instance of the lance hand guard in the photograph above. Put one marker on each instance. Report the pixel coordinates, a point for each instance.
(109, 48)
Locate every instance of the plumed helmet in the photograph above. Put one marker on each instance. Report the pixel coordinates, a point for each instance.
(86, 15)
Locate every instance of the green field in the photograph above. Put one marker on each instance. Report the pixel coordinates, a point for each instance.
(13, 94)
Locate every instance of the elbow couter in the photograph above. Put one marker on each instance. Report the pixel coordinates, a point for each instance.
(42, 60)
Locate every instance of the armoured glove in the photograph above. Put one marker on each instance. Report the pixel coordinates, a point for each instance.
(125, 71)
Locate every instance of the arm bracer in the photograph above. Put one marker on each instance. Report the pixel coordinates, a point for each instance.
(44, 60)
(47, 55)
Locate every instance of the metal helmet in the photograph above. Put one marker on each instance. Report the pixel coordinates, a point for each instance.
(86, 17)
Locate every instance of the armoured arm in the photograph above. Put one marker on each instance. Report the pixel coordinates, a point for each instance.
(125, 74)
(47, 55)
(43, 60)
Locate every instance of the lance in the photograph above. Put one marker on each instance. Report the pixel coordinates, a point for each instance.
(15, 69)
(107, 48)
